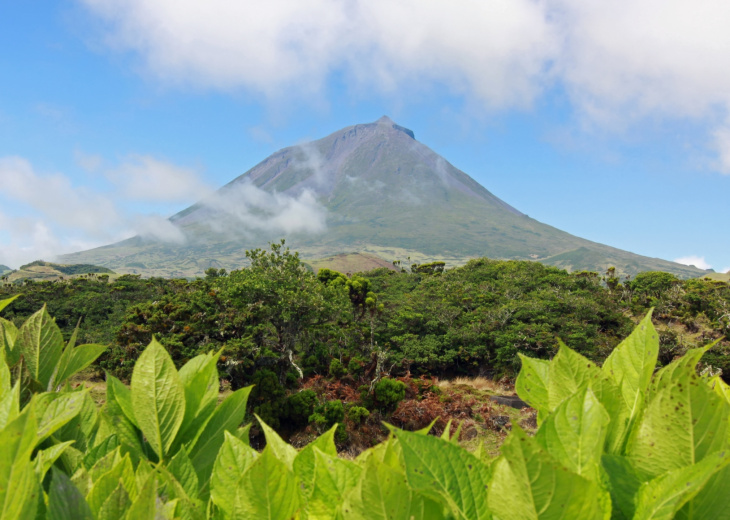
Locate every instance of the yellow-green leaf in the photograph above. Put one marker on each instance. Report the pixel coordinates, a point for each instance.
(233, 459)
(158, 397)
(65, 501)
(447, 472)
(40, 343)
(528, 484)
(267, 491)
(575, 433)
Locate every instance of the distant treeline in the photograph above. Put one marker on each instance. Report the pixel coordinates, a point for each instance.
(280, 317)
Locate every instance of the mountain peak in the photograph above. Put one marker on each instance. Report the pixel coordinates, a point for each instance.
(386, 121)
(366, 188)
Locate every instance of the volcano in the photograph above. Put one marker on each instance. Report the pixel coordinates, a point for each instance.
(371, 190)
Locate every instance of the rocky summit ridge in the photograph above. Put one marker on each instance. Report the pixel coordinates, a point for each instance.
(369, 188)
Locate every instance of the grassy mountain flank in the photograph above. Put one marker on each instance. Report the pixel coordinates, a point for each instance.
(720, 277)
(384, 194)
(47, 271)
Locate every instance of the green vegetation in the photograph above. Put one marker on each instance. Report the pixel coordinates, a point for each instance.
(280, 324)
(619, 441)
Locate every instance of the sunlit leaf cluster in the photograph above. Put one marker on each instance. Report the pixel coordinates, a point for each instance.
(618, 441)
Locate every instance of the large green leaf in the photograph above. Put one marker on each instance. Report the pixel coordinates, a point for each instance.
(158, 397)
(632, 362)
(122, 396)
(200, 379)
(575, 433)
(623, 483)
(684, 421)
(65, 501)
(116, 418)
(712, 501)
(184, 472)
(8, 337)
(233, 459)
(115, 423)
(6, 382)
(226, 418)
(528, 484)
(102, 448)
(720, 388)
(107, 483)
(383, 494)
(82, 427)
(678, 369)
(283, 451)
(115, 505)
(532, 383)
(267, 491)
(7, 301)
(661, 498)
(10, 405)
(44, 459)
(569, 373)
(333, 478)
(19, 489)
(447, 472)
(40, 343)
(145, 505)
(55, 410)
(304, 461)
(75, 359)
(105, 463)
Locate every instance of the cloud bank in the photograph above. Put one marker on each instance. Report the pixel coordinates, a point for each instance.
(618, 62)
(697, 261)
(244, 210)
(58, 217)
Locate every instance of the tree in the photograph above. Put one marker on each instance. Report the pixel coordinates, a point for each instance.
(281, 301)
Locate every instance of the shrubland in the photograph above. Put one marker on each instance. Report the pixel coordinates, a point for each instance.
(618, 441)
(289, 331)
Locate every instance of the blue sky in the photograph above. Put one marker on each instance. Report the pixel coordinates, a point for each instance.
(609, 120)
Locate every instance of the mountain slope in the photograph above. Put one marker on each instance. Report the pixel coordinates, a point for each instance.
(367, 188)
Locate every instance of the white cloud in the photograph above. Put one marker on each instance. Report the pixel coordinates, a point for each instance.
(158, 228)
(697, 261)
(619, 62)
(53, 216)
(243, 208)
(53, 196)
(26, 239)
(145, 178)
(496, 49)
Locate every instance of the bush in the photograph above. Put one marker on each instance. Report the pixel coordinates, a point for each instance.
(358, 414)
(300, 406)
(652, 283)
(388, 393)
(355, 366)
(334, 412)
(267, 398)
(336, 369)
(327, 415)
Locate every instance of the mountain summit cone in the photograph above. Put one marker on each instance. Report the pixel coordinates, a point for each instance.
(369, 188)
